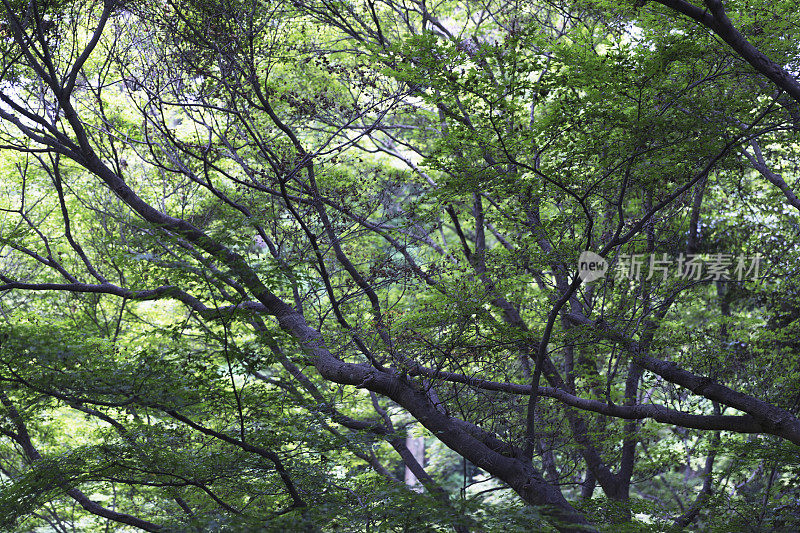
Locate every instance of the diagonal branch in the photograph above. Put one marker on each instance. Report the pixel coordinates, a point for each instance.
(771, 418)
(23, 438)
(716, 19)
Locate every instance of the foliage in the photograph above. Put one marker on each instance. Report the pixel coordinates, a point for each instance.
(255, 256)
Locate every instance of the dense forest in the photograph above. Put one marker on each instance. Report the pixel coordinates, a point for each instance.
(399, 265)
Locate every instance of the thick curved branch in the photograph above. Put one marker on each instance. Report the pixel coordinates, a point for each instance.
(772, 419)
(659, 413)
(715, 19)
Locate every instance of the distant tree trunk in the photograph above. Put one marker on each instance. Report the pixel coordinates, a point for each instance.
(417, 447)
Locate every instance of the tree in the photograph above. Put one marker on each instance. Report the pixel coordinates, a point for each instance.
(249, 245)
